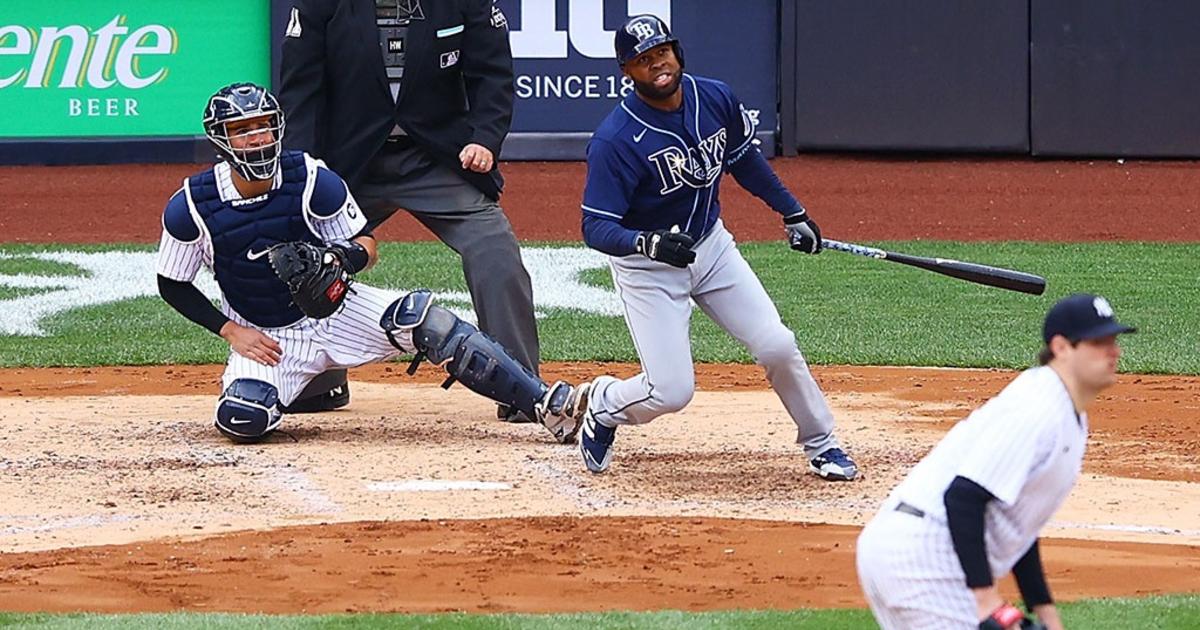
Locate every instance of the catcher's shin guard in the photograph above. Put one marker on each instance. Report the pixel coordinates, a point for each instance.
(468, 355)
(477, 361)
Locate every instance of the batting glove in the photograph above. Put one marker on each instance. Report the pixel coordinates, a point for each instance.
(803, 233)
(673, 248)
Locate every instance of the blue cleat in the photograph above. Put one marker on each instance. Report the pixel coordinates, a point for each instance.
(595, 443)
(834, 465)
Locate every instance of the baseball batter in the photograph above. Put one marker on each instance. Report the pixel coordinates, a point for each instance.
(651, 204)
(231, 218)
(972, 509)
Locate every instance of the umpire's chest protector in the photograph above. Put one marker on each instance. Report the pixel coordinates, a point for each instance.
(243, 230)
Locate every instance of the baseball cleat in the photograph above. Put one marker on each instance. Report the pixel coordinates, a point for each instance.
(595, 443)
(561, 410)
(834, 465)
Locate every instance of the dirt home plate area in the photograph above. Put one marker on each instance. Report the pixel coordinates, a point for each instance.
(119, 496)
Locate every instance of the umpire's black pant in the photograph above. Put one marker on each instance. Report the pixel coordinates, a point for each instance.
(404, 176)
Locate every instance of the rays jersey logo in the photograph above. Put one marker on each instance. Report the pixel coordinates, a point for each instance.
(699, 167)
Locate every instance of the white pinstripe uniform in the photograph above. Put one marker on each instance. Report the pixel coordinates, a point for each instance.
(1026, 447)
(349, 338)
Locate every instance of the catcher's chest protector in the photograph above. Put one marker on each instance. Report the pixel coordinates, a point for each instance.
(242, 233)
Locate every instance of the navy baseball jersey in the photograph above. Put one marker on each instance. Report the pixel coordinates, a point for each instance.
(649, 169)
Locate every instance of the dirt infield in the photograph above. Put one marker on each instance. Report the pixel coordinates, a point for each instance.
(852, 198)
(396, 504)
(119, 496)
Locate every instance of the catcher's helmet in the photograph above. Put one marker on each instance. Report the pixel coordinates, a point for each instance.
(243, 101)
(641, 33)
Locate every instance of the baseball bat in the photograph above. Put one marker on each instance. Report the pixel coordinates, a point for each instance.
(971, 272)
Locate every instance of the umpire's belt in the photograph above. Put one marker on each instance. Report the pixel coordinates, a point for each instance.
(908, 509)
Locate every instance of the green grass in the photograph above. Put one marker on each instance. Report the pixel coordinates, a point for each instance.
(844, 309)
(1161, 613)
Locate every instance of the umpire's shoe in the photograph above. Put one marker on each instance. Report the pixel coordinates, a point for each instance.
(834, 465)
(507, 413)
(595, 443)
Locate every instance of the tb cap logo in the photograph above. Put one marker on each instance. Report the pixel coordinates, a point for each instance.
(642, 29)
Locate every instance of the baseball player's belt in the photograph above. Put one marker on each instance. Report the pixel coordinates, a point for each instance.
(908, 509)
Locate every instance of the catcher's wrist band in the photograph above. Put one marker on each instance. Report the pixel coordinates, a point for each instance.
(354, 257)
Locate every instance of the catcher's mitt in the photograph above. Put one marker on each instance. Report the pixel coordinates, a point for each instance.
(314, 276)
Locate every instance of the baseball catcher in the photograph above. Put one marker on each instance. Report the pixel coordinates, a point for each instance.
(284, 238)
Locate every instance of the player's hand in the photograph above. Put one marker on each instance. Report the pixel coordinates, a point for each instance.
(1048, 615)
(1001, 617)
(803, 233)
(251, 343)
(669, 246)
(476, 157)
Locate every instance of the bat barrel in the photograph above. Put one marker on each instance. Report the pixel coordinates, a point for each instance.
(971, 272)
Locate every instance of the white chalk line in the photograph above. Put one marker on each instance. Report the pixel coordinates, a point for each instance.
(435, 485)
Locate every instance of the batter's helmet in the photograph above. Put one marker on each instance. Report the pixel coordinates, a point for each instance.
(242, 101)
(641, 33)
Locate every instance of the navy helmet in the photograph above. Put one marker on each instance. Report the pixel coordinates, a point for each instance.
(243, 101)
(641, 33)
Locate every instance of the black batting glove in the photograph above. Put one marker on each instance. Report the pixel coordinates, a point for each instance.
(804, 235)
(673, 248)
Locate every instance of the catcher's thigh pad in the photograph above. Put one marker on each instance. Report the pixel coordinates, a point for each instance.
(248, 410)
(468, 355)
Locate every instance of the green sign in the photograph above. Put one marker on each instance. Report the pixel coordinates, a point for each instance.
(80, 68)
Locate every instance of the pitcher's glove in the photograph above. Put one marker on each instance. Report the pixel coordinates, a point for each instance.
(315, 276)
(803, 233)
(1008, 616)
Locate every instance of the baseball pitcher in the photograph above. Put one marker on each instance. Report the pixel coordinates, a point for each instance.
(972, 509)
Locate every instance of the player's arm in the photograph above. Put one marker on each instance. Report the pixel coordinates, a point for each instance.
(966, 507)
(339, 221)
(180, 256)
(1031, 580)
(750, 168)
(487, 70)
(302, 73)
(1000, 462)
(606, 193)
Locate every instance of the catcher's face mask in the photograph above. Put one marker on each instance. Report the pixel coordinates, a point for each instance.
(246, 125)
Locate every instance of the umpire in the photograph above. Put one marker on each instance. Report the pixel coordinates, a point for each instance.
(410, 100)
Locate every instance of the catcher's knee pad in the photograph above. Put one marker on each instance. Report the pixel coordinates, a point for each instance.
(248, 410)
(468, 355)
(402, 316)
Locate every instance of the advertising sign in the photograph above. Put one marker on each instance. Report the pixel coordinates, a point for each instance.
(567, 78)
(76, 68)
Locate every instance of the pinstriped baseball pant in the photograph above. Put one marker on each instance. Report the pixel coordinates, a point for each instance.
(910, 574)
(349, 338)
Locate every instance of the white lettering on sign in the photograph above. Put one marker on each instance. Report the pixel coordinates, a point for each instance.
(573, 86)
(98, 59)
(102, 107)
(539, 37)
